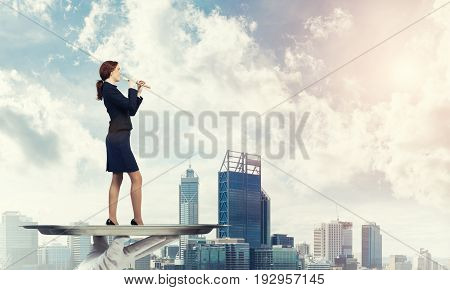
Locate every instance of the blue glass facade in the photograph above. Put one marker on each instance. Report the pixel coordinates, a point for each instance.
(205, 257)
(275, 258)
(283, 240)
(371, 247)
(240, 199)
(265, 219)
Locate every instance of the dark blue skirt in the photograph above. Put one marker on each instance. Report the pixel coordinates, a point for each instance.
(119, 157)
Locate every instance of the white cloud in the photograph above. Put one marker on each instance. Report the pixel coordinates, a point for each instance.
(93, 23)
(337, 22)
(37, 8)
(212, 62)
(47, 157)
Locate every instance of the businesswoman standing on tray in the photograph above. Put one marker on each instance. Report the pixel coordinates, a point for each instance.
(119, 156)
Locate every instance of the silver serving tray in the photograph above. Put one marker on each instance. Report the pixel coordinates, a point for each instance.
(125, 230)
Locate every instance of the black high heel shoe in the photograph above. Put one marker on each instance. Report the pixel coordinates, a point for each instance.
(133, 222)
(110, 222)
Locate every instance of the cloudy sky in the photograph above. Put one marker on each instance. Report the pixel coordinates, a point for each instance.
(378, 133)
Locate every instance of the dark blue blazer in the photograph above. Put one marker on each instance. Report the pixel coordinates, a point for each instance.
(119, 107)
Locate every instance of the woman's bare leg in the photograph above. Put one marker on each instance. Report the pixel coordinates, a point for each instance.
(136, 195)
(114, 189)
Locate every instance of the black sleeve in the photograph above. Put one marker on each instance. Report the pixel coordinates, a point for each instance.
(130, 104)
(139, 101)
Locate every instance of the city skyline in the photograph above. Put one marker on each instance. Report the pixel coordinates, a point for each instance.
(338, 231)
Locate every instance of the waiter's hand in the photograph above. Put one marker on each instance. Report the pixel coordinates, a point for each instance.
(117, 256)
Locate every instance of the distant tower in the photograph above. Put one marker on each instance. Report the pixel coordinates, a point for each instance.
(371, 246)
(188, 205)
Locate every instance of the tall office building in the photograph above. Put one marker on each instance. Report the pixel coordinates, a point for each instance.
(319, 242)
(54, 257)
(332, 240)
(240, 198)
(188, 204)
(79, 246)
(371, 247)
(283, 240)
(347, 239)
(265, 221)
(18, 246)
(424, 261)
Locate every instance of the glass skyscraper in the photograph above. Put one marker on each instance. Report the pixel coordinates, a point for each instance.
(188, 205)
(241, 199)
(371, 246)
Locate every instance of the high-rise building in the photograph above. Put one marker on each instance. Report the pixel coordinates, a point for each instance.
(424, 261)
(332, 240)
(347, 239)
(265, 215)
(319, 242)
(240, 198)
(79, 246)
(399, 262)
(371, 247)
(283, 240)
(18, 246)
(54, 257)
(188, 204)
